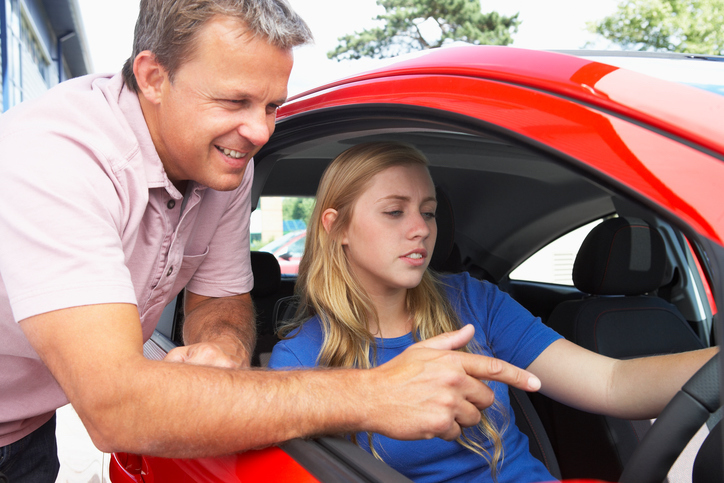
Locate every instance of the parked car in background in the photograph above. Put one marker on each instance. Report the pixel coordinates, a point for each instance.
(524, 147)
(288, 249)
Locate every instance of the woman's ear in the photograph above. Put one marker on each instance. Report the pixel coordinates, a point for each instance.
(150, 76)
(329, 216)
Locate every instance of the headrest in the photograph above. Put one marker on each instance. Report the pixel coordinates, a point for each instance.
(267, 274)
(445, 250)
(621, 256)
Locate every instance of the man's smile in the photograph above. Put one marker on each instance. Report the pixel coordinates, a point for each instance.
(231, 153)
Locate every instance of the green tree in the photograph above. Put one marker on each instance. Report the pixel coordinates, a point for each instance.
(401, 29)
(297, 209)
(692, 26)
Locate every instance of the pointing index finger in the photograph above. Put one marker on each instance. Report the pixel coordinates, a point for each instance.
(492, 369)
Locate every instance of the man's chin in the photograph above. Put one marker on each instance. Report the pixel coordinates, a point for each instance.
(226, 181)
(225, 186)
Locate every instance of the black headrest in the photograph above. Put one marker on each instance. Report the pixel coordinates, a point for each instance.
(621, 256)
(267, 274)
(445, 255)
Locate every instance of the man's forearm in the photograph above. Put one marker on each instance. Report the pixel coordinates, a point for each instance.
(194, 411)
(197, 411)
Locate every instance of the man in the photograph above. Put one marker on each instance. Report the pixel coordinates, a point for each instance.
(121, 191)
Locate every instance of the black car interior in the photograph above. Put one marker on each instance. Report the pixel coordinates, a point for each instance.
(620, 263)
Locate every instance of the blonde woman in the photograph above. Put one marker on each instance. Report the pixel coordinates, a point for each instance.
(366, 295)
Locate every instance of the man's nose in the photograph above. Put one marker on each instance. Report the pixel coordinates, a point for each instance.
(256, 128)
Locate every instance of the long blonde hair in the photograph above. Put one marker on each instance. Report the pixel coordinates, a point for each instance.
(328, 288)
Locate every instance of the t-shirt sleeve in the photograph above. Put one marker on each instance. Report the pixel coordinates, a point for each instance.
(502, 325)
(284, 357)
(301, 349)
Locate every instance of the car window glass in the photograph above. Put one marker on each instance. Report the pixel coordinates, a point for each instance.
(554, 262)
(296, 249)
(278, 226)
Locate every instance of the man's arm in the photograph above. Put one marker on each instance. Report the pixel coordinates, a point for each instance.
(631, 389)
(217, 331)
(132, 404)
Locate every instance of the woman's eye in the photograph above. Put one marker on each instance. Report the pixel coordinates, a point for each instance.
(429, 215)
(393, 212)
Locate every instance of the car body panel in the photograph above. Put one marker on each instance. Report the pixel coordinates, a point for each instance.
(251, 466)
(685, 111)
(646, 162)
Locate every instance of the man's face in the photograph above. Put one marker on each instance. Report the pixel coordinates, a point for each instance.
(221, 107)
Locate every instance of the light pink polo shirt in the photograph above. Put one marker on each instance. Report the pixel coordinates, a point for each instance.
(88, 216)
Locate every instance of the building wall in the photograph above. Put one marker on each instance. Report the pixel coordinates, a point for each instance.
(31, 43)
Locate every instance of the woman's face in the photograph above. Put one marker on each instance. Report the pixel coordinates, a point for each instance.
(391, 235)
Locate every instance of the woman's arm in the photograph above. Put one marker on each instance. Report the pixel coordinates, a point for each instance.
(630, 389)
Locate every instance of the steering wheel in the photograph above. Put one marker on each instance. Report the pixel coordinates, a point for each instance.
(676, 425)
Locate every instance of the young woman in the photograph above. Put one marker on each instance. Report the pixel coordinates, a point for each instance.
(366, 295)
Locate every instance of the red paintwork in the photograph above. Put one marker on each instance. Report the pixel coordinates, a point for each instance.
(666, 105)
(270, 465)
(570, 104)
(531, 92)
(253, 466)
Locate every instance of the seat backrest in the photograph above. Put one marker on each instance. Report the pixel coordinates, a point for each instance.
(446, 255)
(620, 264)
(267, 283)
(267, 274)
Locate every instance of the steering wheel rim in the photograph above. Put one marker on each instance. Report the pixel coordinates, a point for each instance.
(687, 411)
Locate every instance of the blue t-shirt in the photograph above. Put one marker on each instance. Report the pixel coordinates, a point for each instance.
(500, 323)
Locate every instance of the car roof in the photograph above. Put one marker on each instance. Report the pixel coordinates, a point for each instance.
(511, 191)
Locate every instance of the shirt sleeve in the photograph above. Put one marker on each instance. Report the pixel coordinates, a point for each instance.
(61, 222)
(226, 270)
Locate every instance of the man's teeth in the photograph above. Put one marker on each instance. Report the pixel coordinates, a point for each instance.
(414, 255)
(232, 154)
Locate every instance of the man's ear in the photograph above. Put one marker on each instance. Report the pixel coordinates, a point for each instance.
(328, 218)
(150, 76)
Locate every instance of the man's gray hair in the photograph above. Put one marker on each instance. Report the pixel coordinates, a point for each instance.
(168, 28)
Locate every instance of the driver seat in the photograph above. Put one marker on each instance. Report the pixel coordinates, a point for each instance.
(620, 265)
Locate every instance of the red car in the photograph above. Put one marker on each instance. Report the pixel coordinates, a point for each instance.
(526, 146)
(288, 250)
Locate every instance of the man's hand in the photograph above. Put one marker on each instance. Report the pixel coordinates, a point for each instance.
(215, 354)
(431, 390)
